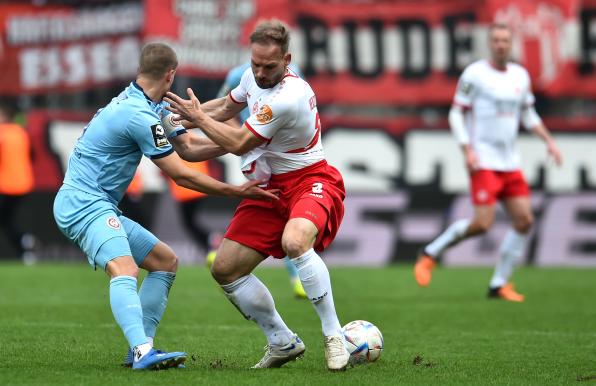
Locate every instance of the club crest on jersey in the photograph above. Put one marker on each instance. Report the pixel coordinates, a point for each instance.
(466, 87)
(113, 222)
(265, 114)
(159, 136)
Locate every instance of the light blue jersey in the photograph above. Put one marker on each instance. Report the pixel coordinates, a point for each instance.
(108, 152)
(233, 80)
(101, 167)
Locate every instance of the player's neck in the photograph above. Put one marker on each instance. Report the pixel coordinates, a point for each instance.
(152, 90)
(499, 65)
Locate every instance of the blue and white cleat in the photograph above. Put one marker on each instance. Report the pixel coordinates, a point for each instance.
(159, 360)
(129, 358)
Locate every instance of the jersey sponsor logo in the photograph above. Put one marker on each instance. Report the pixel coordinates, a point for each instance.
(113, 222)
(265, 114)
(159, 136)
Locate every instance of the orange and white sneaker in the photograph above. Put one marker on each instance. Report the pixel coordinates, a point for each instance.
(506, 292)
(423, 269)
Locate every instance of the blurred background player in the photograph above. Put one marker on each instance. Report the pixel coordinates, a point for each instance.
(100, 169)
(279, 143)
(231, 82)
(497, 96)
(16, 181)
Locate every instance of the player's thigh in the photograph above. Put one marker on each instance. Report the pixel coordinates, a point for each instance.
(142, 242)
(520, 212)
(233, 261)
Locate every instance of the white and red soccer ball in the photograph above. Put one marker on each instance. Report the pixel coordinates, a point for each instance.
(364, 341)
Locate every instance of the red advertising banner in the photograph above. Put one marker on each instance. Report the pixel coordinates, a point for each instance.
(387, 52)
(45, 48)
(352, 52)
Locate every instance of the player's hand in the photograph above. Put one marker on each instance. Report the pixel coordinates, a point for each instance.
(251, 190)
(471, 160)
(554, 152)
(185, 109)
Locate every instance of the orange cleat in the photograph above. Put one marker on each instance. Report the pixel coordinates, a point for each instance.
(506, 292)
(423, 269)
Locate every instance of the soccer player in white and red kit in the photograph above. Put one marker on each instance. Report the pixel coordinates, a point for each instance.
(493, 97)
(279, 143)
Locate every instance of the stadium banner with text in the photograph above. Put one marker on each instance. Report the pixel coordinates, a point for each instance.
(60, 48)
(387, 52)
(403, 189)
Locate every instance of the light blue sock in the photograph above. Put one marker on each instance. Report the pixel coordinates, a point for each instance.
(154, 298)
(126, 307)
(291, 269)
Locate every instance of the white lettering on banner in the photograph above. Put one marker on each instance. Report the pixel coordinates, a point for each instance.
(210, 33)
(435, 155)
(369, 160)
(63, 135)
(568, 232)
(77, 64)
(364, 241)
(48, 27)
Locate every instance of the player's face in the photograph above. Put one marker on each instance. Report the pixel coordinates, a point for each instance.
(268, 64)
(500, 45)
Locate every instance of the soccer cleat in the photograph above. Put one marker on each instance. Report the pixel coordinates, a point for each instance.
(129, 358)
(299, 291)
(423, 269)
(336, 353)
(277, 356)
(506, 292)
(159, 360)
(210, 258)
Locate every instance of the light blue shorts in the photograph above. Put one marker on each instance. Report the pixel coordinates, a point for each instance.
(98, 227)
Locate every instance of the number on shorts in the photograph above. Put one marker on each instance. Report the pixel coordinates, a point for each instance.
(317, 187)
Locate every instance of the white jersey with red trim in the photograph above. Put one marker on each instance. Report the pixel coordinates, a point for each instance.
(494, 100)
(286, 117)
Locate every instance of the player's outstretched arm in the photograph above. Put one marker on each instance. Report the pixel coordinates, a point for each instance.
(222, 109)
(236, 141)
(194, 148)
(191, 179)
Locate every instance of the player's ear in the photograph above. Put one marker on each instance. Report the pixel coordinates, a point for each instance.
(287, 58)
(170, 76)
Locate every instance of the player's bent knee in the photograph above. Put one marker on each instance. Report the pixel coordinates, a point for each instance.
(224, 273)
(122, 266)
(295, 247)
(524, 225)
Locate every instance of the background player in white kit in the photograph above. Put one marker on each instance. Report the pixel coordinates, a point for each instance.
(281, 140)
(492, 98)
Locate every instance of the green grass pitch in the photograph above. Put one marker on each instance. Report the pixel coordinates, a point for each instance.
(56, 328)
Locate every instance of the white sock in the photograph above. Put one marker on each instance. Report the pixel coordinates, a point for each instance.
(140, 351)
(254, 301)
(452, 235)
(314, 276)
(150, 340)
(511, 251)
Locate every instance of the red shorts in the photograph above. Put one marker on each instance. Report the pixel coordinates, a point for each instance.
(315, 192)
(488, 186)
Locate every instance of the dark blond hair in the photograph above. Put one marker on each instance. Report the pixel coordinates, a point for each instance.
(156, 60)
(272, 32)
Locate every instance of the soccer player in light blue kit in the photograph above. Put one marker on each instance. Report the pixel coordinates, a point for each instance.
(231, 82)
(100, 169)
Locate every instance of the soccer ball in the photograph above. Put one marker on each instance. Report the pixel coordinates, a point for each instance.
(364, 341)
